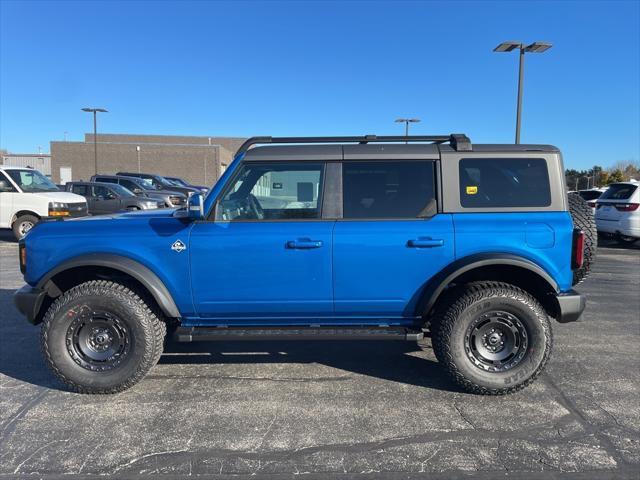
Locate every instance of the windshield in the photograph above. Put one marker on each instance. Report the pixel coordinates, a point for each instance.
(32, 181)
(121, 191)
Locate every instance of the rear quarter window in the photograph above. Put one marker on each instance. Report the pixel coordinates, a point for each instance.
(504, 182)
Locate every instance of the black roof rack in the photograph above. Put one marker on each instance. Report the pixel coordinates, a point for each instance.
(458, 141)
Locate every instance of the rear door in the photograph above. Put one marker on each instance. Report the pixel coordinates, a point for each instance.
(391, 239)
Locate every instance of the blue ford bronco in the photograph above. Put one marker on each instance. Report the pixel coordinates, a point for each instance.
(369, 237)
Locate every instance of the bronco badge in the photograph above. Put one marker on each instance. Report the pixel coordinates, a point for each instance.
(178, 246)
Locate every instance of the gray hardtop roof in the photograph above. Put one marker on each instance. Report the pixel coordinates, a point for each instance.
(380, 151)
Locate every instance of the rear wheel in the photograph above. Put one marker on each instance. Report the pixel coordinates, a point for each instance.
(101, 337)
(492, 337)
(23, 224)
(583, 219)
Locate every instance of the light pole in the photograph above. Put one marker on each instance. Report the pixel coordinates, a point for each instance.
(406, 122)
(535, 47)
(95, 132)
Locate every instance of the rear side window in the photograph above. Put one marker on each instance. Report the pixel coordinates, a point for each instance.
(504, 182)
(81, 190)
(619, 191)
(396, 189)
(106, 180)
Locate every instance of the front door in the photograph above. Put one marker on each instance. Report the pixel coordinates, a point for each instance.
(391, 240)
(104, 200)
(264, 257)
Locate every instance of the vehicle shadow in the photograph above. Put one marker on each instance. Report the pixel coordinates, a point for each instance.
(610, 242)
(7, 236)
(21, 358)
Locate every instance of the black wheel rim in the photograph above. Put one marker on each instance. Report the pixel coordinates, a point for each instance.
(496, 341)
(97, 340)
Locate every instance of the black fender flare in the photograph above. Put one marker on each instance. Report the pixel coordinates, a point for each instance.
(126, 265)
(438, 283)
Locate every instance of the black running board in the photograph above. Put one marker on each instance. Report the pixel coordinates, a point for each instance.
(194, 334)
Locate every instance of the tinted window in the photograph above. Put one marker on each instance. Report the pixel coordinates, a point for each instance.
(105, 179)
(397, 189)
(590, 194)
(130, 185)
(81, 190)
(619, 191)
(273, 192)
(504, 182)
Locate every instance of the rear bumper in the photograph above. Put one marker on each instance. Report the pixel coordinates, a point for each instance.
(571, 305)
(629, 227)
(28, 301)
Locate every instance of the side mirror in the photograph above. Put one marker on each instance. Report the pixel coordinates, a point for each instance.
(137, 191)
(196, 206)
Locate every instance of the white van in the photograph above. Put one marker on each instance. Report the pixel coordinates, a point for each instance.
(27, 196)
(617, 212)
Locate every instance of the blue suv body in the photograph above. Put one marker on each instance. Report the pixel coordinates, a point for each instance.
(347, 237)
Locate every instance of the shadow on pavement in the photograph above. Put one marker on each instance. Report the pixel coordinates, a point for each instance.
(21, 358)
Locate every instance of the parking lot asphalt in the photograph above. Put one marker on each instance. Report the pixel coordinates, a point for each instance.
(334, 409)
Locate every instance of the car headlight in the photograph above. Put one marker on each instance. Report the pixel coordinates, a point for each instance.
(58, 209)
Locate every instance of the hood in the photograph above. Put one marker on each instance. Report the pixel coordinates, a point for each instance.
(65, 197)
(156, 213)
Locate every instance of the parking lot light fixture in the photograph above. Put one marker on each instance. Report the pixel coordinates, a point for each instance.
(535, 47)
(406, 122)
(95, 132)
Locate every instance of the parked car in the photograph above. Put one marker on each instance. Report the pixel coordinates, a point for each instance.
(591, 195)
(109, 198)
(326, 238)
(141, 189)
(159, 183)
(183, 183)
(617, 212)
(27, 196)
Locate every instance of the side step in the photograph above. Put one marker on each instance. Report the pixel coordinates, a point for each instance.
(194, 334)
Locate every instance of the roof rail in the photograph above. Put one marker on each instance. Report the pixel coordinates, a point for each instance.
(458, 141)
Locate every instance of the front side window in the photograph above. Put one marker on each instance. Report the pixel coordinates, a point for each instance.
(32, 181)
(395, 189)
(504, 182)
(103, 192)
(273, 191)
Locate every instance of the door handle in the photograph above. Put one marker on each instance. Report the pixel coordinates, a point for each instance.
(304, 244)
(425, 242)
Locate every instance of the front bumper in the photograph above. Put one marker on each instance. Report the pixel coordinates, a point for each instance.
(571, 304)
(28, 301)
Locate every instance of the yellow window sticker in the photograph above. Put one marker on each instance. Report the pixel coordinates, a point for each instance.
(472, 190)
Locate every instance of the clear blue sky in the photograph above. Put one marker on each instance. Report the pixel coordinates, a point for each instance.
(323, 68)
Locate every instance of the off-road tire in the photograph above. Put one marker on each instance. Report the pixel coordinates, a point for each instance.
(456, 314)
(17, 226)
(583, 219)
(146, 333)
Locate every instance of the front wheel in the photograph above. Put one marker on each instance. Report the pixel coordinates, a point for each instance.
(492, 337)
(101, 337)
(23, 224)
